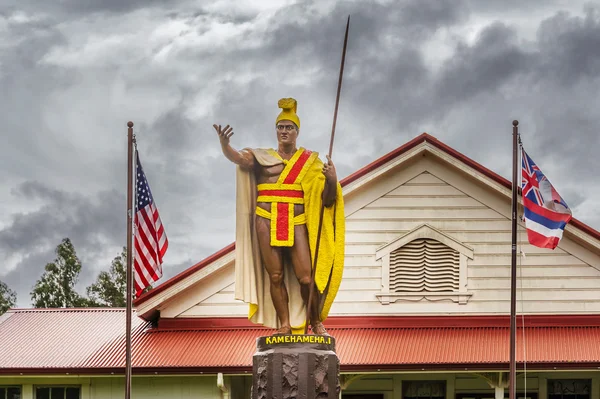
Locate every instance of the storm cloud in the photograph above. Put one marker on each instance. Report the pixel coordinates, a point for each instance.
(74, 73)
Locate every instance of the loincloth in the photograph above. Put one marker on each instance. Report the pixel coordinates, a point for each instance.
(283, 198)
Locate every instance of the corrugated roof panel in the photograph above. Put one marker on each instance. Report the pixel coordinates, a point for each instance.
(94, 339)
(57, 337)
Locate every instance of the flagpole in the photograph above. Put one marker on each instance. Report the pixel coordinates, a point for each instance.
(128, 290)
(513, 268)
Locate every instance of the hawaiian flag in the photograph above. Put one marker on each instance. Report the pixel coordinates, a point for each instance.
(546, 213)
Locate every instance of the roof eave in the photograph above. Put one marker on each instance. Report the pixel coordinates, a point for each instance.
(344, 368)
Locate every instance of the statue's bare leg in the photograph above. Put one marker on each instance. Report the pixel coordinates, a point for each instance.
(273, 262)
(300, 254)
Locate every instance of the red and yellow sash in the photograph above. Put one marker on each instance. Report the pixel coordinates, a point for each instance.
(283, 195)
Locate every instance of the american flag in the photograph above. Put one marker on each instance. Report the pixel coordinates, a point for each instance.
(150, 239)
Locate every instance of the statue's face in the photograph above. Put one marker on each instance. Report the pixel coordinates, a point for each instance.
(287, 132)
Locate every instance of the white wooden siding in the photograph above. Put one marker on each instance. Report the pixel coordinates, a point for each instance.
(429, 191)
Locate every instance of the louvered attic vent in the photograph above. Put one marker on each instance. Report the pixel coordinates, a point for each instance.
(424, 265)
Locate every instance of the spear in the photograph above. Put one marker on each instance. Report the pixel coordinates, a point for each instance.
(337, 102)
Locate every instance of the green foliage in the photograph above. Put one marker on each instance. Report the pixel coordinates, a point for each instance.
(109, 288)
(8, 298)
(55, 289)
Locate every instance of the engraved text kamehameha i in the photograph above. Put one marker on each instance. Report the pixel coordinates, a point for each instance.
(306, 366)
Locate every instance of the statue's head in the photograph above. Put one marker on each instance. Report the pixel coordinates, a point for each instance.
(287, 123)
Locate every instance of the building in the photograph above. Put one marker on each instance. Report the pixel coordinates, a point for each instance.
(442, 334)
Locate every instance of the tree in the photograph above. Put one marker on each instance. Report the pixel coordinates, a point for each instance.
(55, 289)
(109, 288)
(8, 298)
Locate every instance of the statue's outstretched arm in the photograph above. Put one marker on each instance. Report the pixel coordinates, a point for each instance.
(243, 158)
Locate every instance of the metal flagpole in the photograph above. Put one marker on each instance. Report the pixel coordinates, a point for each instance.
(513, 268)
(128, 290)
(337, 102)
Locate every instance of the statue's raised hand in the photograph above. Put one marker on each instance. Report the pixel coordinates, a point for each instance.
(224, 134)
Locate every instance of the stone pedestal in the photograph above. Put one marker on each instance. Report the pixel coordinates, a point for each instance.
(295, 367)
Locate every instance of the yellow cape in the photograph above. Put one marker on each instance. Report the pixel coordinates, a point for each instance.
(251, 278)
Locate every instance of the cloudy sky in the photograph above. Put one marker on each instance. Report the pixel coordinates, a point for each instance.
(73, 72)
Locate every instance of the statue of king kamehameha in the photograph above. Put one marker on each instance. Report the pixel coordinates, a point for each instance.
(279, 196)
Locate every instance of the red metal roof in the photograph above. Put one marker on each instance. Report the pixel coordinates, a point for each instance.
(92, 341)
(58, 338)
(424, 137)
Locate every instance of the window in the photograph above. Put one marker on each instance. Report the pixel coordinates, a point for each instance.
(10, 392)
(424, 264)
(569, 389)
(424, 389)
(492, 395)
(57, 392)
(362, 396)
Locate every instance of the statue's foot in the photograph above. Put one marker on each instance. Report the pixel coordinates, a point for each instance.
(283, 330)
(318, 328)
